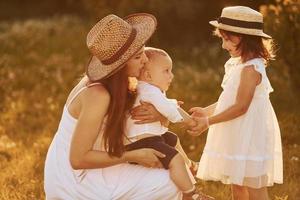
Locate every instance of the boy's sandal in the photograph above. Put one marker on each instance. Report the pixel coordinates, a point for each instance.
(196, 195)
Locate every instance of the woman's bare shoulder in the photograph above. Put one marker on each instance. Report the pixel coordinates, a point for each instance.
(95, 93)
(95, 97)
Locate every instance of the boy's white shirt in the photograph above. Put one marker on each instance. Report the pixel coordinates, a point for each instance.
(167, 107)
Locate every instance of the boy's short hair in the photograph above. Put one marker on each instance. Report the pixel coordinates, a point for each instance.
(151, 52)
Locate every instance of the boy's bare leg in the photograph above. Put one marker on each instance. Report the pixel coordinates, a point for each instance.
(179, 174)
(179, 148)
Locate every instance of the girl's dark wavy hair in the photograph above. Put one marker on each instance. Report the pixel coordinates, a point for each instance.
(251, 46)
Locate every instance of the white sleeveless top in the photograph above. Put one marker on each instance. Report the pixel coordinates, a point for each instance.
(123, 181)
(246, 150)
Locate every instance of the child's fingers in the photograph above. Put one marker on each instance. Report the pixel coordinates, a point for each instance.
(197, 110)
(199, 128)
(182, 125)
(193, 133)
(180, 103)
(190, 122)
(194, 114)
(195, 129)
(193, 109)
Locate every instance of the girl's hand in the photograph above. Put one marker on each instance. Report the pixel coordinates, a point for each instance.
(201, 126)
(147, 113)
(198, 112)
(146, 157)
(189, 123)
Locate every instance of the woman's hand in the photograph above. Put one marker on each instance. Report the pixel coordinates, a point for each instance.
(147, 113)
(146, 157)
(201, 126)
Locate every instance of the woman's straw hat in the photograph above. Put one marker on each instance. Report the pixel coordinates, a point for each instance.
(113, 41)
(241, 19)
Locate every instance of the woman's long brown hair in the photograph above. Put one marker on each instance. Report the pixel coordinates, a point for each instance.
(121, 100)
(251, 46)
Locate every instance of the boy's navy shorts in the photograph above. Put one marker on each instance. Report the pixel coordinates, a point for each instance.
(165, 144)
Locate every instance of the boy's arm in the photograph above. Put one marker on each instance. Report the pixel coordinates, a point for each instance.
(164, 105)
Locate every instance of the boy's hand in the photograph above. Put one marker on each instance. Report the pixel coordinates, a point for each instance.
(180, 103)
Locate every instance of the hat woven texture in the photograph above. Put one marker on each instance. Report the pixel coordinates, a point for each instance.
(241, 19)
(113, 41)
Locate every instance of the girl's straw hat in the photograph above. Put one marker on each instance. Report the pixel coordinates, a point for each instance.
(241, 19)
(113, 41)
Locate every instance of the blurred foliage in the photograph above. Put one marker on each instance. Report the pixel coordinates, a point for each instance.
(282, 21)
(31, 53)
(42, 59)
(180, 22)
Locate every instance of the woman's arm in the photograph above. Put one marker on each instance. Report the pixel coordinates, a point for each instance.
(250, 78)
(147, 113)
(94, 105)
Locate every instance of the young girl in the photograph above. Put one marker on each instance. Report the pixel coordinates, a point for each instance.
(243, 145)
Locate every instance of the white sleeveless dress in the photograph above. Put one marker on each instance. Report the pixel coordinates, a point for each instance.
(119, 182)
(246, 150)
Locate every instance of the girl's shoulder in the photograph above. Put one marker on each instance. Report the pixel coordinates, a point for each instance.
(232, 61)
(257, 63)
(231, 64)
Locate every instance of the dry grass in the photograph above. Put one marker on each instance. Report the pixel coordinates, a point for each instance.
(42, 59)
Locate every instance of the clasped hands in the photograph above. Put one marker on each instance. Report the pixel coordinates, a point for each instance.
(199, 122)
(146, 113)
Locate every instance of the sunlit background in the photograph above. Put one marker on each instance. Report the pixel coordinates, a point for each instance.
(43, 54)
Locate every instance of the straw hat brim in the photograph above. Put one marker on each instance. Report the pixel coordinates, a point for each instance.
(247, 31)
(145, 25)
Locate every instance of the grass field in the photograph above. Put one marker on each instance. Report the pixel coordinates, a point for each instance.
(41, 60)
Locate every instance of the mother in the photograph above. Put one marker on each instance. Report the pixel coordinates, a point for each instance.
(86, 159)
